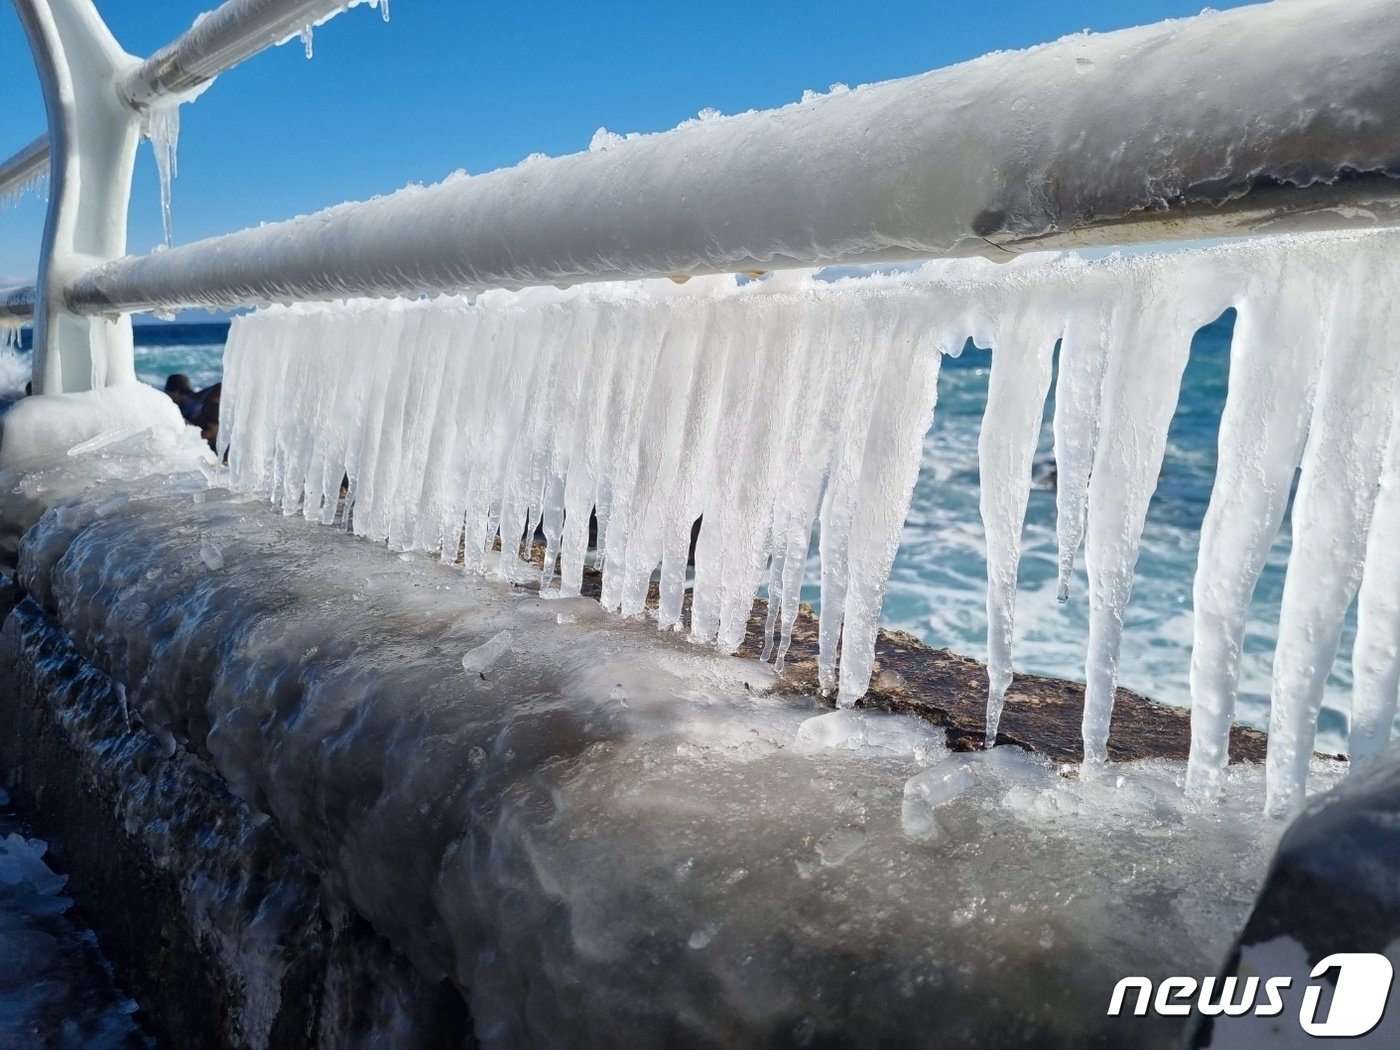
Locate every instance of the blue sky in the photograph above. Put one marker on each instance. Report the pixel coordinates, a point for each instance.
(450, 84)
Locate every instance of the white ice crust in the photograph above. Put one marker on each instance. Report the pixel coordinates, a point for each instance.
(36, 429)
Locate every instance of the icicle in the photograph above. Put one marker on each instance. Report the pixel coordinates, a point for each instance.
(1162, 302)
(1375, 659)
(1273, 374)
(892, 454)
(1020, 380)
(684, 502)
(1083, 358)
(1331, 511)
(839, 501)
(306, 34)
(37, 185)
(163, 127)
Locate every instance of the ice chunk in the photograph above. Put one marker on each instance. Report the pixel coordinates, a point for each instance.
(22, 862)
(926, 791)
(940, 784)
(485, 655)
(851, 730)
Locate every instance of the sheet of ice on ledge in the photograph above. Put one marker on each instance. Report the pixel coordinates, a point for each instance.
(766, 408)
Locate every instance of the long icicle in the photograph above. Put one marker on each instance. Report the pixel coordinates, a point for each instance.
(1274, 360)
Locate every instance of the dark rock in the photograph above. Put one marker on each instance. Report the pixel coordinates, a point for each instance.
(199, 407)
(1332, 889)
(179, 387)
(1041, 714)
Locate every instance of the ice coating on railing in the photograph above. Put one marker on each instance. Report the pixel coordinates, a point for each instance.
(770, 410)
(1052, 142)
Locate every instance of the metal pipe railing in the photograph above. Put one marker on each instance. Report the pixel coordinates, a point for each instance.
(24, 167)
(220, 40)
(962, 161)
(17, 304)
(97, 99)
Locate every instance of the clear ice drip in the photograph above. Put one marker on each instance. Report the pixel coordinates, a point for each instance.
(163, 127)
(765, 409)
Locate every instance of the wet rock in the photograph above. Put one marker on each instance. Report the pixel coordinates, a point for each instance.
(1042, 714)
(199, 407)
(1332, 890)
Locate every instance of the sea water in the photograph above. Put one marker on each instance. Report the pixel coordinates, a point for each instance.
(937, 589)
(196, 350)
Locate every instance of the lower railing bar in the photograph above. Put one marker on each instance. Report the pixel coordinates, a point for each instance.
(24, 167)
(16, 304)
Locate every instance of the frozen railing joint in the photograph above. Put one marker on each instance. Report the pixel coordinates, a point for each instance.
(99, 100)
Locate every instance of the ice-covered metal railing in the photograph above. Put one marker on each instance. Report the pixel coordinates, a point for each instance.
(222, 39)
(22, 170)
(98, 100)
(1291, 121)
(25, 167)
(16, 304)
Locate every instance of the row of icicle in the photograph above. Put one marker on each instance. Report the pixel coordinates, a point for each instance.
(768, 407)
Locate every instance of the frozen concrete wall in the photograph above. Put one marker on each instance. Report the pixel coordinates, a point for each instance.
(600, 837)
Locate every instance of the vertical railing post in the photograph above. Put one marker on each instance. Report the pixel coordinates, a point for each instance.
(93, 134)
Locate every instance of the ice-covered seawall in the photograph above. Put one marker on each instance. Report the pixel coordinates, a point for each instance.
(600, 836)
(767, 410)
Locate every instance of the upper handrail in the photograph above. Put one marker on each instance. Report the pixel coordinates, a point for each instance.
(220, 40)
(965, 160)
